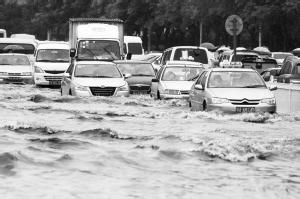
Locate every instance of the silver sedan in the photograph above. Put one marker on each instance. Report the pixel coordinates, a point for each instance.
(233, 91)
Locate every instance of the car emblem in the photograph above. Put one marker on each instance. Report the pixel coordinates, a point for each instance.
(102, 86)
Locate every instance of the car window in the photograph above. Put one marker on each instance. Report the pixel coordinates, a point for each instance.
(204, 79)
(181, 73)
(297, 69)
(288, 67)
(137, 69)
(97, 71)
(70, 69)
(191, 54)
(158, 75)
(200, 78)
(14, 60)
(166, 57)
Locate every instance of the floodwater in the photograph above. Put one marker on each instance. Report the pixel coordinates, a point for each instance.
(136, 147)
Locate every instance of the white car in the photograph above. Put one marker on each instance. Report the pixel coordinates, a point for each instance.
(232, 90)
(94, 78)
(175, 80)
(16, 68)
(51, 61)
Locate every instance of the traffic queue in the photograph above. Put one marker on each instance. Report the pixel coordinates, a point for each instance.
(93, 64)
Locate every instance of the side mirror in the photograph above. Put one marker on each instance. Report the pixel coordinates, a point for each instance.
(199, 87)
(72, 52)
(126, 76)
(154, 80)
(273, 88)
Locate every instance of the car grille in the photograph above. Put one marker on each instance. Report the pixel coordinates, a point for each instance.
(54, 71)
(140, 89)
(185, 92)
(14, 74)
(106, 91)
(53, 78)
(245, 102)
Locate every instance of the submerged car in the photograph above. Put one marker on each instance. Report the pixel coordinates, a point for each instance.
(175, 79)
(52, 58)
(141, 75)
(16, 68)
(94, 78)
(232, 90)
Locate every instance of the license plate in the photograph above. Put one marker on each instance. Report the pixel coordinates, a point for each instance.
(245, 109)
(54, 82)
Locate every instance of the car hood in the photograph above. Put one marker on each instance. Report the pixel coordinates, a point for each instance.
(140, 80)
(15, 69)
(177, 85)
(241, 93)
(100, 82)
(54, 66)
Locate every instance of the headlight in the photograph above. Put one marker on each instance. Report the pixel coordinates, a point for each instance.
(3, 73)
(38, 70)
(27, 74)
(270, 101)
(216, 100)
(81, 88)
(124, 88)
(172, 92)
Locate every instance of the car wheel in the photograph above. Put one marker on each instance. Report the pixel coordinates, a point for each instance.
(204, 106)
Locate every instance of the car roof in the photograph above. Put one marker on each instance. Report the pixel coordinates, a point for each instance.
(53, 45)
(239, 52)
(184, 47)
(18, 40)
(231, 69)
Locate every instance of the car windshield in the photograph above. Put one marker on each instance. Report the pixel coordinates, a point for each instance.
(98, 50)
(191, 54)
(137, 69)
(17, 48)
(281, 56)
(14, 60)
(235, 79)
(181, 73)
(53, 55)
(97, 71)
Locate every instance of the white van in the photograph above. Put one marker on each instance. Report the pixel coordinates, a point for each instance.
(52, 59)
(17, 45)
(134, 46)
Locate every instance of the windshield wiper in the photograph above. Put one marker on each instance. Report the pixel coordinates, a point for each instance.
(44, 60)
(254, 86)
(83, 76)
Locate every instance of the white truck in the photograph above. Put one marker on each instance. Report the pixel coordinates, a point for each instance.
(133, 45)
(96, 39)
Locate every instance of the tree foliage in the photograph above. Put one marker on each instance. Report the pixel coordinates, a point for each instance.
(168, 22)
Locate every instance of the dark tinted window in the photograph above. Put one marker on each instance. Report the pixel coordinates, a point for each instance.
(17, 48)
(196, 55)
(135, 48)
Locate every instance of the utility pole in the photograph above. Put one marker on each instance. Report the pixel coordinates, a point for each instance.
(149, 38)
(201, 32)
(260, 34)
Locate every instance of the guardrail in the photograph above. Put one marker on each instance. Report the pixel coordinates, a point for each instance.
(287, 97)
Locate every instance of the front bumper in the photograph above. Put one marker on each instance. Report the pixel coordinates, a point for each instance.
(46, 79)
(168, 96)
(230, 108)
(17, 79)
(88, 93)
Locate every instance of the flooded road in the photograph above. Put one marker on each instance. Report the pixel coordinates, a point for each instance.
(136, 147)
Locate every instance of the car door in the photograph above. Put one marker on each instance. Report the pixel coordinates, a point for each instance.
(66, 80)
(196, 95)
(155, 82)
(285, 73)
